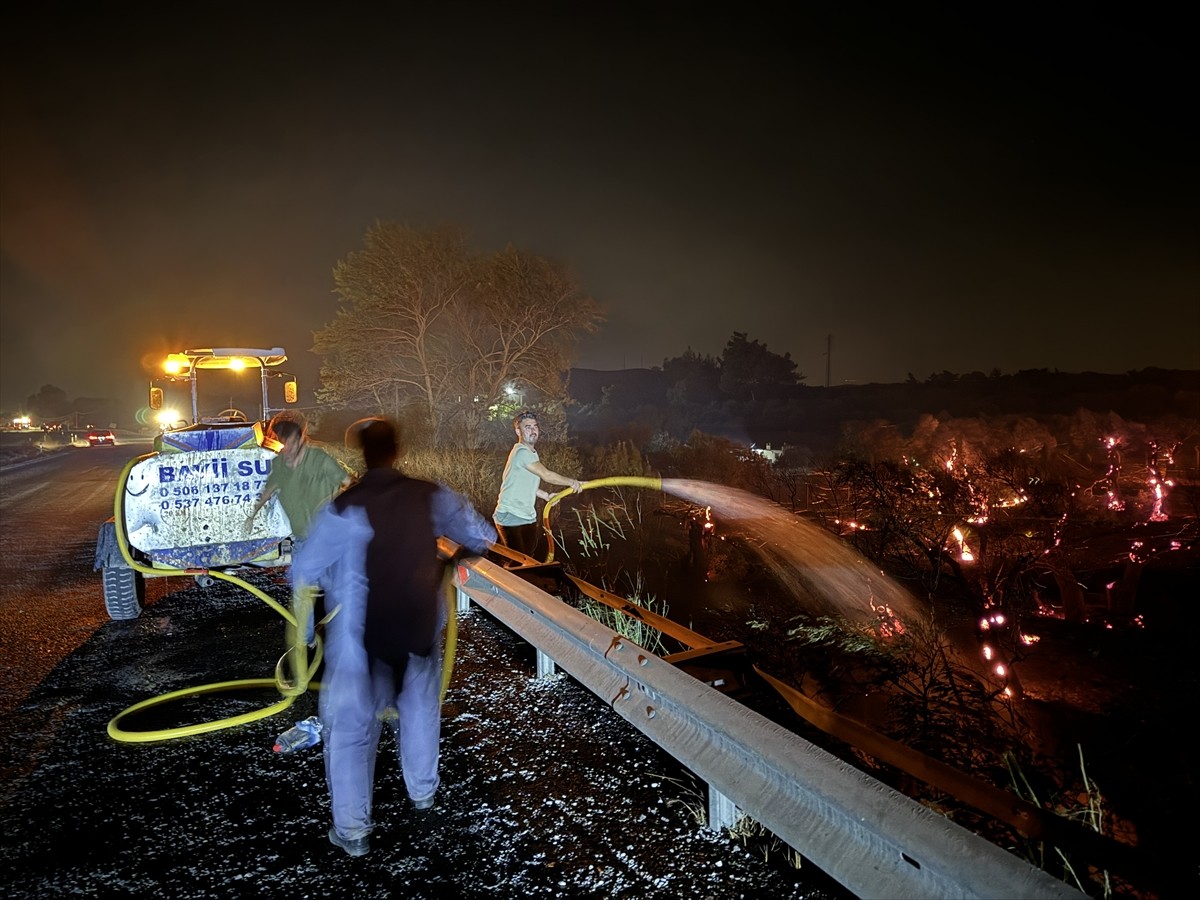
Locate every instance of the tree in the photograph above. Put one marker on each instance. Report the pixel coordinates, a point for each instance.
(692, 377)
(49, 403)
(750, 371)
(518, 328)
(425, 324)
(396, 295)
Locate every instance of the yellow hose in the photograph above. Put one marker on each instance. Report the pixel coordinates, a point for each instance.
(451, 633)
(304, 669)
(302, 666)
(653, 483)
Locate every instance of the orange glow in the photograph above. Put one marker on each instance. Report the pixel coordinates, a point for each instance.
(889, 623)
(964, 552)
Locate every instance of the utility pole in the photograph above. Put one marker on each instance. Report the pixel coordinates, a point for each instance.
(828, 357)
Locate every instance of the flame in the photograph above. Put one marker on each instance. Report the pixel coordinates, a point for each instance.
(1160, 457)
(889, 623)
(964, 552)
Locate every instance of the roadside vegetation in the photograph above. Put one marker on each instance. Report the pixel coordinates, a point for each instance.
(1016, 527)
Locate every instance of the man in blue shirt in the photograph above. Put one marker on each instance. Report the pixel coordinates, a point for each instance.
(374, 551)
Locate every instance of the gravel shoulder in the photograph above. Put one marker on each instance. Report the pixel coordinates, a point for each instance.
(545, 792)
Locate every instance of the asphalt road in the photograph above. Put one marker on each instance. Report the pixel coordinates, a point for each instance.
(50, 597)
(545, 792)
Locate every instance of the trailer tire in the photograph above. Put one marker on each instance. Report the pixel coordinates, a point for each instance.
(124, 592)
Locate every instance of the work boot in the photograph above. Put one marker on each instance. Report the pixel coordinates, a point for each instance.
(425, 803)
(354, 846)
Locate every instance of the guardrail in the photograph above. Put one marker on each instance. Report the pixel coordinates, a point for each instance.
(870, 838)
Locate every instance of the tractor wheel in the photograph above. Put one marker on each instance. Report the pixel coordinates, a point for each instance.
(124, 592)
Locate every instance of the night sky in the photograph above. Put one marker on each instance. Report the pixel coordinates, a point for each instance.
(1013, 190)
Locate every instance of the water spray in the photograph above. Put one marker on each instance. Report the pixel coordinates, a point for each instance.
(812, 563)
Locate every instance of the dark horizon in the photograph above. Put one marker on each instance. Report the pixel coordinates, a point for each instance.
(938, 189)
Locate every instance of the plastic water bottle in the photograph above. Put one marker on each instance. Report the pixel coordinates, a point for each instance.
(305, 733)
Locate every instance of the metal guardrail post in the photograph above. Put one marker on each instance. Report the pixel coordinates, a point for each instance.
(870, 838)
(722, 812)
(545, 665)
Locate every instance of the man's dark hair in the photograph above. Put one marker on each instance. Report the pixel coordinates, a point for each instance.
(286, 428)
(379, 442)
(522, 416)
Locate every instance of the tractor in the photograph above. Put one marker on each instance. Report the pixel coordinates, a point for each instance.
(182, 509)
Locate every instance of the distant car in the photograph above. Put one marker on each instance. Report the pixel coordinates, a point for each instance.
(97, 438)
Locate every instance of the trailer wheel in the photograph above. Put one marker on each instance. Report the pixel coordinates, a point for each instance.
(124, 592)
